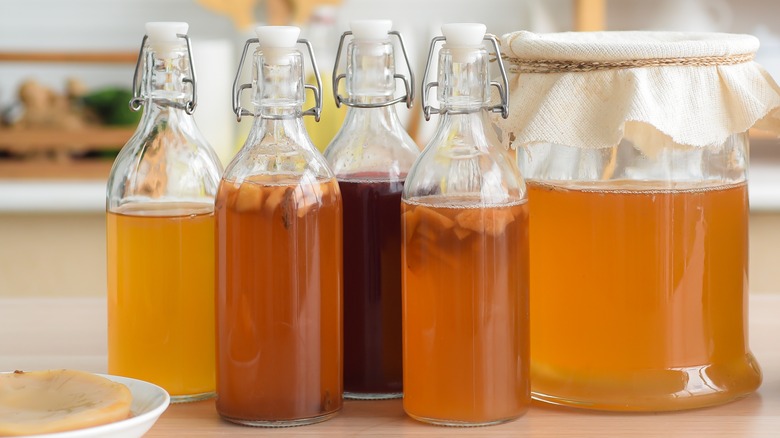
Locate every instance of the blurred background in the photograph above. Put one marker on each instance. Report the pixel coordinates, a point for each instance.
(66, 67)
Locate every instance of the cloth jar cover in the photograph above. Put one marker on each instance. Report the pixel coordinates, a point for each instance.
(592, 89)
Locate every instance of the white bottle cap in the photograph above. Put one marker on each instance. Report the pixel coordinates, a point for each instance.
(276, 42)
(463, 40)
(163, 36)
(463, 35)
(370, 29)
(277, 37)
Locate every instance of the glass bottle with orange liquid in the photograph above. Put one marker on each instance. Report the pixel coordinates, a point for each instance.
(465, 253)
(279, 255)
(160, 229)
(371, 156)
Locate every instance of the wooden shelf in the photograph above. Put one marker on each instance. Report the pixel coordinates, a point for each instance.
(118, 57)
(757, 134)
(41, 169)
(48, 153)
(54, 154)
(93, 138)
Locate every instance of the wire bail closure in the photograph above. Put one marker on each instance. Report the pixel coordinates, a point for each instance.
(408, 82)
(503, 87)
(137, 101)
(315, 111)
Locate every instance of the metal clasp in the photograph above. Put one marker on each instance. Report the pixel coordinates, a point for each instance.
(137, 101)
(408, 82)
(315, 111)
(503, 88)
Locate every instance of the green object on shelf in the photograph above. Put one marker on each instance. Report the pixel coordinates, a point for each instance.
(111, 105)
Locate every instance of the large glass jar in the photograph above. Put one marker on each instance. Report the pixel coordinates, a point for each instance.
(639, 228)
(639, 269)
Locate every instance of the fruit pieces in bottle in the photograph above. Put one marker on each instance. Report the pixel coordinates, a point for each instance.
(465, 310)
(279, 300)
(639, 294)
(161, 295)
(372, 286)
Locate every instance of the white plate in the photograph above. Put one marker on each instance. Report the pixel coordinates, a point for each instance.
(149, 402)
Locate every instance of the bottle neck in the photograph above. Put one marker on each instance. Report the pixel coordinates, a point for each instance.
(370, 71)
(281, 131)
(464, 131)
(165, 92)
(464, 84)
(164, 78)
(278, 83)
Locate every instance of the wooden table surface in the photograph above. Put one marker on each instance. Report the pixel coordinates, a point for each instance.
(40, 333)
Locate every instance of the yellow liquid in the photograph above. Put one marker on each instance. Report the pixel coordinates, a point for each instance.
(331, 119)
(161, 296)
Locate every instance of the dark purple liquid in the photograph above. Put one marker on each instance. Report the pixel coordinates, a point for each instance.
(372, 286)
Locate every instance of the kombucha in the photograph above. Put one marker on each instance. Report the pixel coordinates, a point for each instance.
(639, 295)
(465, 311)
(279, 286)
(161, 296)
(372, 287)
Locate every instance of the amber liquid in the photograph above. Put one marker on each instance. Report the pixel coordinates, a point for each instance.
(279, 267)
(161, 296)
(639, 296)
(465, 312)
(372, 288)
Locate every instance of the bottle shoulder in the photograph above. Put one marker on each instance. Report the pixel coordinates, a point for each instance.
(277, 151)
(474, 167)
(164, 163)
(371, 147)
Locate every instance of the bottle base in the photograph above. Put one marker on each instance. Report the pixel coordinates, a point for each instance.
(372, 395)
(673, 389)
(645, 406)
(281, 423)
(188, 398)
(457, 423)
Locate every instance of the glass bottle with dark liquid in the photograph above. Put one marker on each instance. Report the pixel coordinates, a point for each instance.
(465, 253)
(279, 254)
(371, 156)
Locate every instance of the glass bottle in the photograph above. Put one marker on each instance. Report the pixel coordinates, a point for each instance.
(160, 229)
(279, 255)
(371, 156)
(465, 253)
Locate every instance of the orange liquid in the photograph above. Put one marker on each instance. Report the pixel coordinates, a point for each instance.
(639, 296)
(279, 286)
(161, 295)
(465, 313)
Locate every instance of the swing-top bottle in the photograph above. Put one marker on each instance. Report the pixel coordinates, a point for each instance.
(160, 229)
(371, 156)
(278, 221)
(465, 252)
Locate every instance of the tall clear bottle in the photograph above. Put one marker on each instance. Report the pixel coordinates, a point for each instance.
(160, 229)
(279, 255)
(371, 156)
(465, 253)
